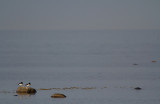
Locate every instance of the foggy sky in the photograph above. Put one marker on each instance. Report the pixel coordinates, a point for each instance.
(79, 14)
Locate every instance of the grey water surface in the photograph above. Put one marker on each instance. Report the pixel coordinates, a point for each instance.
(89, 67)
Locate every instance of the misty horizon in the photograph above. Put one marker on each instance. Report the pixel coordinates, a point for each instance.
(79, 15)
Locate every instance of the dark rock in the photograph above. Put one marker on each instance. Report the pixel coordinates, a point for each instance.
(137, 88)
(58, 95)
(154, 61)
(22, 89)
(15, 95)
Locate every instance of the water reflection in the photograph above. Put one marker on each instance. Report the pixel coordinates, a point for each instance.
(25, 95)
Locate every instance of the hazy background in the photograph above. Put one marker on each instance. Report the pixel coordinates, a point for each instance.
(105, 45)
(79, 14)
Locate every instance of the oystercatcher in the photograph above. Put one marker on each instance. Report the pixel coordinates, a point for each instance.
(20, 84)
(28, 84)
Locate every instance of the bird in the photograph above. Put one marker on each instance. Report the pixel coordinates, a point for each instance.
(20, 84)
(28, 84)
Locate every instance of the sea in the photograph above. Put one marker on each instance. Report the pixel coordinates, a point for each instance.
(89, 67)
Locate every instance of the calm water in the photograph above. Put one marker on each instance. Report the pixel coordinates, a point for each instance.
(99, 63)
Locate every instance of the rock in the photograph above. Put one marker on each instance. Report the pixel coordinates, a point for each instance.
(137, 88)
(22, 89)
(58, 95)
(154, 61)
(15, 95)
(135, 64)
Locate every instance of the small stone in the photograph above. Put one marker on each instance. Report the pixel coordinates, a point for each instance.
(137, 88)
(58, 95)
(15, 95)
(154, 61)
(135, 64)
